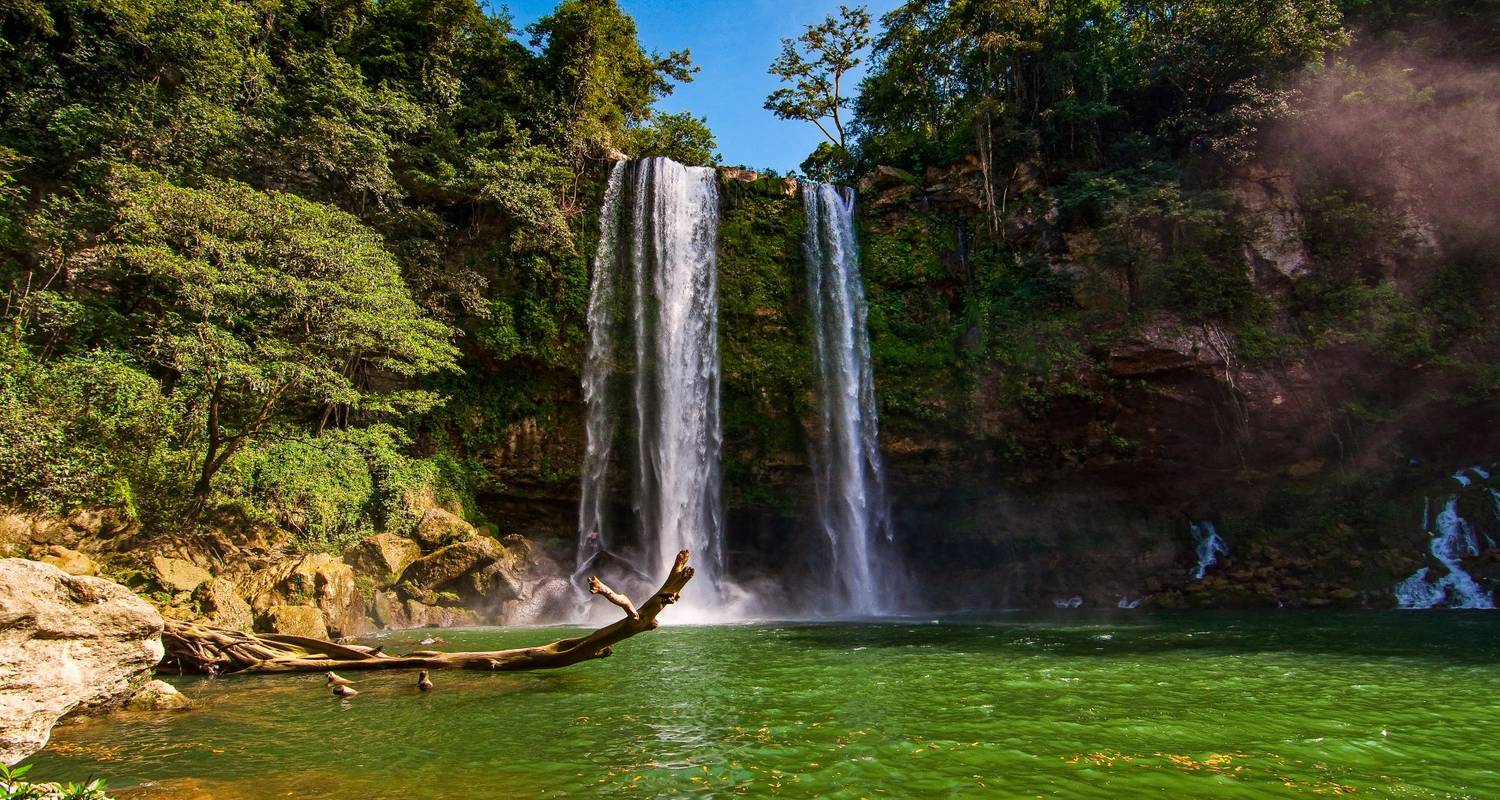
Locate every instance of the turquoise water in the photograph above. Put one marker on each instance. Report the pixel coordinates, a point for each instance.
(1070, 705)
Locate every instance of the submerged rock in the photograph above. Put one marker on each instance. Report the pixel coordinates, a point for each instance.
(158, 695)
(67, 643)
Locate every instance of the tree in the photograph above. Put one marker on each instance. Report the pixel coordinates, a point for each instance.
(255, 301)
(682, 137)
(606, 82)
(815, 64)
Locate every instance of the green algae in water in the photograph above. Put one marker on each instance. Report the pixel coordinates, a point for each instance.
(1065, 705)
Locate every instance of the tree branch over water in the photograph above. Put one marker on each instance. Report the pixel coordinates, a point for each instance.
(199, 648)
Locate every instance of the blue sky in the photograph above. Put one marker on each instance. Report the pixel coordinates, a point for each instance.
(733, 41)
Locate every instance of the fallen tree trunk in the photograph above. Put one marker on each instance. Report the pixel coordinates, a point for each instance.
(200, 648)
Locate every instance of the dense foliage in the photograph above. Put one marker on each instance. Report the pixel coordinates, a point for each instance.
(1046, 178)
(319, 262)
(258, 255)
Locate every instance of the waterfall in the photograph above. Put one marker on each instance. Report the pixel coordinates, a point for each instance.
(1208, 547)
(1453, 539)
(654, 286)
(846, 456)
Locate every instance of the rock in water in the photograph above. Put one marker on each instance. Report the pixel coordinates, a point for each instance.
(66, 642)
(158, 696)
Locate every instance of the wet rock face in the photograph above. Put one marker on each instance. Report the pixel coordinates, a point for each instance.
(66, 643)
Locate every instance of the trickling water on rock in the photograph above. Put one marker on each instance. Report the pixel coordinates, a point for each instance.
(1453, 538)
(1208, 547)
(653, 313)
(846, 455)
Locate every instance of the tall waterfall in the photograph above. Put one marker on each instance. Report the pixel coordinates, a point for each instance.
(653, 314)
(846, 455)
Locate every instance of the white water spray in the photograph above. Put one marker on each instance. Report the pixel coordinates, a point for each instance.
(655, 285)
(846, 454)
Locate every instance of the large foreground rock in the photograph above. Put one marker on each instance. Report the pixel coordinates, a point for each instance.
(66, 642)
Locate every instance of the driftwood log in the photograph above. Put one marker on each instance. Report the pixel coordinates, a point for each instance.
(199, 648)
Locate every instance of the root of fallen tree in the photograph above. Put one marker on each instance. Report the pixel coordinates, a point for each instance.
(200, 648)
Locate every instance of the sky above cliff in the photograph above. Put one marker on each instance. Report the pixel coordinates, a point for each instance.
(733, 41)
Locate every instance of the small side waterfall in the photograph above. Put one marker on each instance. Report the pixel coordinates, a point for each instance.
(1453, 538)
(1207, 546)
(846, 455)
(654, 287)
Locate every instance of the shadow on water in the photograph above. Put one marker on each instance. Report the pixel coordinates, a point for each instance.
(1448, 636)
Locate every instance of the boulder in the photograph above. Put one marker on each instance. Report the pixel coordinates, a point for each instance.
(389, 611)
(220, 600)
(176, 575)
(15, 532)
(448, 564)
(320, 580)
(545, 600)
(382, 556)
(158, 696)
(295, 621)
(421, 615)
(884, 177)
(69, 561)
(67, 642)
(439, 527)
(495, 581)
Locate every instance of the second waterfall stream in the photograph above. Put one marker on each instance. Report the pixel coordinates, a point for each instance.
(846, 451)
(651, 378)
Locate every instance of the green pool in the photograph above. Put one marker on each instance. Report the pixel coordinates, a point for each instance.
(1025, 705)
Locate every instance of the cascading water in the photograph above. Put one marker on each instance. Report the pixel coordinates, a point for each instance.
(1453, 538)
(655, 286)
(1207, 546)
(846, 455)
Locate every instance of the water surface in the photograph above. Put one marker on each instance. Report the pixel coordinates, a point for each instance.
(1064, 705)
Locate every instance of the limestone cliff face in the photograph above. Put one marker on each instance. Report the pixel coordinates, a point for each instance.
(1068, 452)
